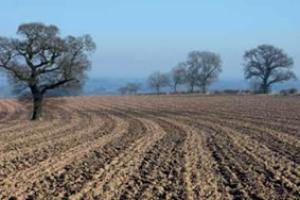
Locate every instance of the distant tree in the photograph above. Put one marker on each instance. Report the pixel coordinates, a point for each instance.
(267, 65)
(41, 60)
(130, 88)
(210, 70)
(192, 68)
(291, 91)
(157, 80)
(178, 75)
(133, 88)
(123, 90)
(203, 68)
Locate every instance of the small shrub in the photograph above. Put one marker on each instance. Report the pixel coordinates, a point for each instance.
(291, 91)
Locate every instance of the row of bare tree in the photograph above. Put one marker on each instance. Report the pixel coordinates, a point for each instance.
(39, 60)
(199, 70)
(264, 66)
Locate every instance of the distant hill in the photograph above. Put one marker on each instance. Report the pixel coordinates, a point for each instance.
(242, 84)
(109, 86)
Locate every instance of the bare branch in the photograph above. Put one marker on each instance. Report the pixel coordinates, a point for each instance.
(55, 85)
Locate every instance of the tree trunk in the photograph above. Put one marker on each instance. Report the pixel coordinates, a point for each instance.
(203, 88)
(192, 88)
(157, 90)
(175, 88)
(265, 88)
(37, 104)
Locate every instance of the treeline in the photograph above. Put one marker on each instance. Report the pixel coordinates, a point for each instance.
(197, 73)
(264, 66)
(130, 88)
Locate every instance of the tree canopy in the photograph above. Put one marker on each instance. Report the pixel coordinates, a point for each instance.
(203, 68)
(267, 65)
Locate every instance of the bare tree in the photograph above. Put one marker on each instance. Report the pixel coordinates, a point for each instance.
(267, 65)
(192, 68)
(157, 80)
(130, 88)
(203, 69)
(41, 60)
(210, 70)
(178, 75)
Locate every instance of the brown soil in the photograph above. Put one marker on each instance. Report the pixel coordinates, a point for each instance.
(152, 147)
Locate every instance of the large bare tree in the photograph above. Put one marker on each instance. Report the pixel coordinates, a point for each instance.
(157, 80)
(267, 65)
(178, 75)
(203, 68)
(40, 60)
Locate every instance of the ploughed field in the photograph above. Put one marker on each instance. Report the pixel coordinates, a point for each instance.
(152, 147)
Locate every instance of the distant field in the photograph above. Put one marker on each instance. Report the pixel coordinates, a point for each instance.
(152, 147)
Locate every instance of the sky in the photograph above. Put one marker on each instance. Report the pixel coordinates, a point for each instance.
(136, 37)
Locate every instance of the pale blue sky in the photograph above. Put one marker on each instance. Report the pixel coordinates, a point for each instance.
(137, 37)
